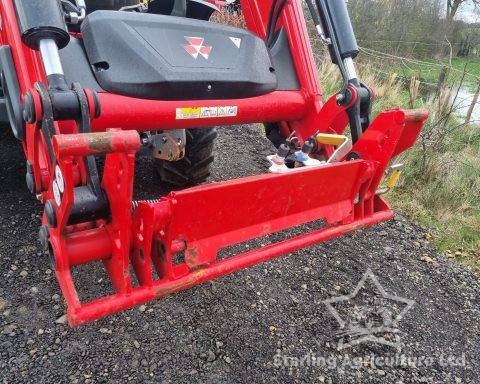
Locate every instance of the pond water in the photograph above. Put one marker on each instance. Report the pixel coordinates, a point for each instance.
(463, 98)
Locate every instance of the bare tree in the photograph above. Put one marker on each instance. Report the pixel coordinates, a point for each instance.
(454, 5)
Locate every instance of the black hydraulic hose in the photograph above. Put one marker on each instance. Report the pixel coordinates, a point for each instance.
(278, 12)
(270, 19)
(335, 50)
(275, 18)
(313, 12)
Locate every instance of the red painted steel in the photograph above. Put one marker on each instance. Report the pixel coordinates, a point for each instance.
(86, 144)
(199, 222)
(108, 305)
(146, 115)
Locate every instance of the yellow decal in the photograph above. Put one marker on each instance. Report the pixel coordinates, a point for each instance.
(206, 112)
(392, 182)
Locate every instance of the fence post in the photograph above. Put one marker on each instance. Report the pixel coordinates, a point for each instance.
(472, 106)
(413, 91)
(442, 79)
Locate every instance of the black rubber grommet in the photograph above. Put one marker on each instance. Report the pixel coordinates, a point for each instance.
(31, 37)
(29, 114)
(51, 214)
(354, 156)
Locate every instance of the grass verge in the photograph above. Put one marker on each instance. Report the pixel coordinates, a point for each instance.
(463, 70)
(441, 184)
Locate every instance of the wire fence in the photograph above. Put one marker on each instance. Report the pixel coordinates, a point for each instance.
(415, 68)
(408, 62)
(425, 64)
(445, 44)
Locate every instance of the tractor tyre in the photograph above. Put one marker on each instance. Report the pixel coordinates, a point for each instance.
(272, 131)
(194, 168)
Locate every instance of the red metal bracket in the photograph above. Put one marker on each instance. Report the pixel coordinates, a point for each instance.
(199, 222)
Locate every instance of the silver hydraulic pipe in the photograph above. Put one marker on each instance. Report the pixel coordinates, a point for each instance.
(76, 18)
(81, 5)
(322, 35)
(318, 24)
(51, 57)
(350, 68)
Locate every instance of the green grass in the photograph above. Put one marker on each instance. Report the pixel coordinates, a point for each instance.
(445, 195)
(472, 64)
(455, 232)
(464, 70)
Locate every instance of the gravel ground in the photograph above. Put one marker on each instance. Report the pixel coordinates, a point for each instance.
(244, 328)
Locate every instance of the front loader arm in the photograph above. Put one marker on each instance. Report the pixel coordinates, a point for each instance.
(174, 242)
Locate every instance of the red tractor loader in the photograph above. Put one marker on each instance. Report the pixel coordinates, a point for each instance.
(88, 84)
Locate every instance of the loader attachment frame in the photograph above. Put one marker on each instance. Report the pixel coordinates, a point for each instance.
(175, 242)
(200, 221)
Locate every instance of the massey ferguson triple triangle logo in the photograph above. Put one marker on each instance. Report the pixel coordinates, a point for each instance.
(196, 47)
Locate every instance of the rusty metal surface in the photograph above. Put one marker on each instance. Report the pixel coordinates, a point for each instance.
(170, 145)
(101, 143)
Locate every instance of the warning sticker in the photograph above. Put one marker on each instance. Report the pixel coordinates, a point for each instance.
(206, 112)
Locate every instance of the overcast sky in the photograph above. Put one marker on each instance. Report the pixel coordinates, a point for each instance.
(468, 13)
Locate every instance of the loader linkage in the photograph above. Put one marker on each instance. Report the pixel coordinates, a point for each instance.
(150, 249)
(200, 221)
